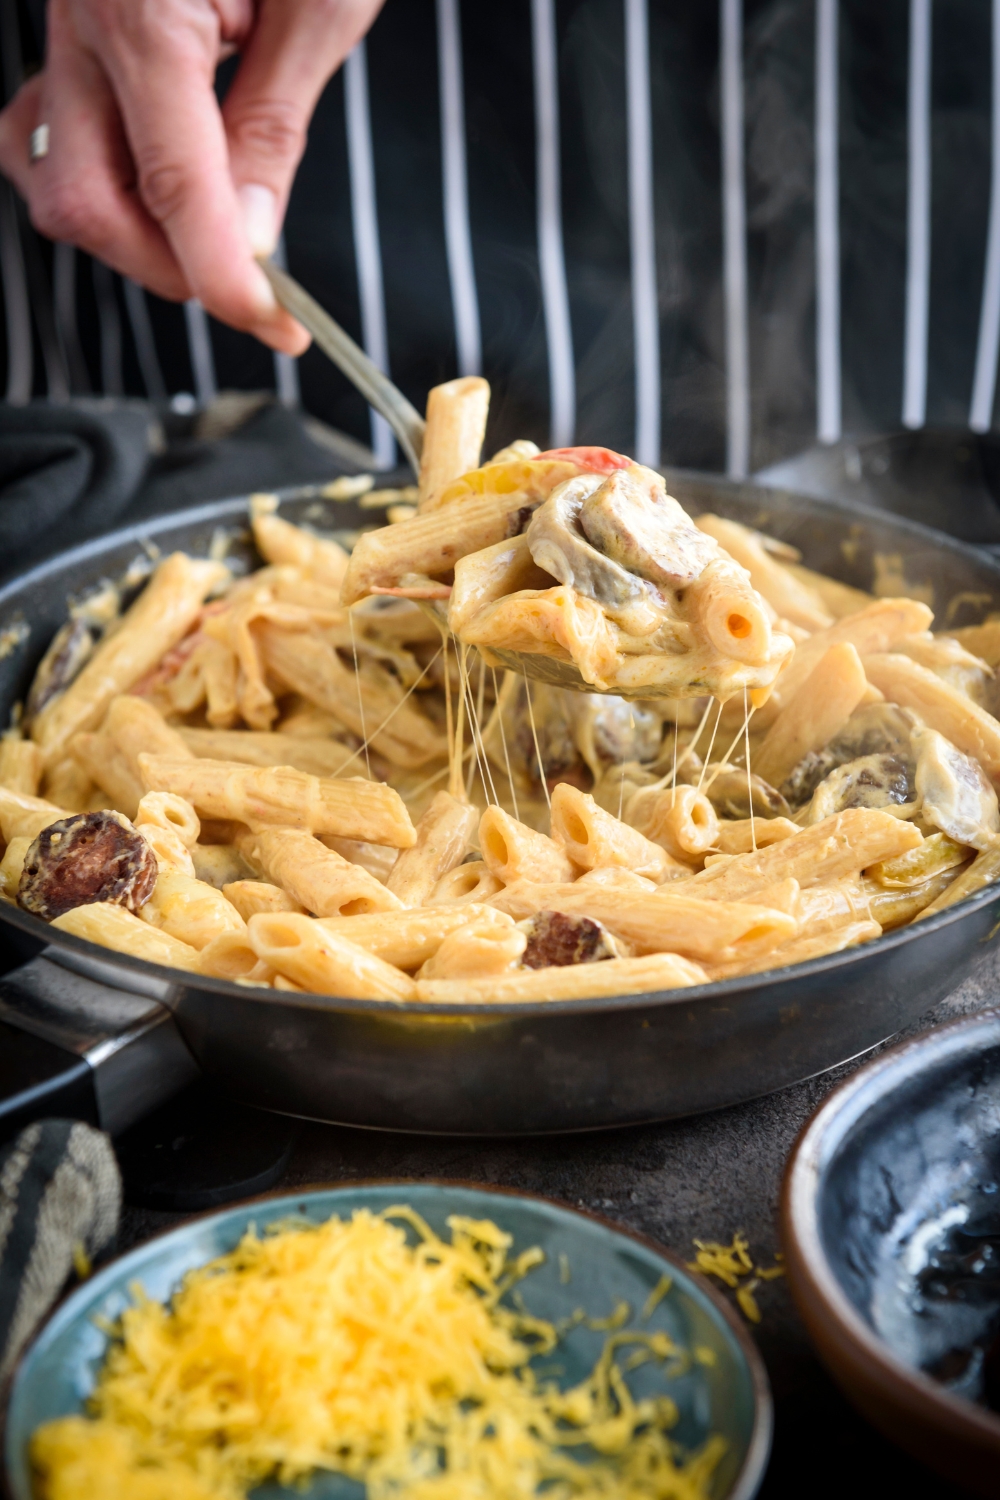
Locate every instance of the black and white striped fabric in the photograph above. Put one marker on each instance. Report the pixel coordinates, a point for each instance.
(708, 234)
(60, 1194)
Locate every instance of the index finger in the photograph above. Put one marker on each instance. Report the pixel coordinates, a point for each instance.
(163, 79)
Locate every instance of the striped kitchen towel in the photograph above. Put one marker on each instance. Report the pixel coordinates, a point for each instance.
(60, 1198)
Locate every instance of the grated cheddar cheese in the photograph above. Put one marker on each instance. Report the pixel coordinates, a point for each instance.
(344, 1347)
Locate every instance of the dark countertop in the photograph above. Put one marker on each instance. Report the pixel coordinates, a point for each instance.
(698, 1178)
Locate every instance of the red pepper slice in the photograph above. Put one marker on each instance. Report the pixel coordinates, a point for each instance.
(594, 460)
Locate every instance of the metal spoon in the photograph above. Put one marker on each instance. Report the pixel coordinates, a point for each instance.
(377, 389)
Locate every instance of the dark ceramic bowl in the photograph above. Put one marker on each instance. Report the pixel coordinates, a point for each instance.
(891, 1229)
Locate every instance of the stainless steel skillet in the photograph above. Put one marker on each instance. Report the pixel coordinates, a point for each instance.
(82, 1019)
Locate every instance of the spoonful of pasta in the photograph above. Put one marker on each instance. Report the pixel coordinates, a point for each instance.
(572, 567)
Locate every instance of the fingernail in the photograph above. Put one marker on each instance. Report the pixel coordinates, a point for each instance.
(260, 217)
(267, 303)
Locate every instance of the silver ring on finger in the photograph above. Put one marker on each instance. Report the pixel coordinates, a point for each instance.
(38, 143)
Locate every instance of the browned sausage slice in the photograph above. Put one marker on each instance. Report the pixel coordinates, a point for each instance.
(95, 856)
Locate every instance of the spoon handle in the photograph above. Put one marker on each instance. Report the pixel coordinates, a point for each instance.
(377, 389)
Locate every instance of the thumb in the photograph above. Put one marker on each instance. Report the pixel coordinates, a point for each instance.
(295, 47)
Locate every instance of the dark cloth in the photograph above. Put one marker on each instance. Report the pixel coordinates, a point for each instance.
(77, 469)
(60, 1200)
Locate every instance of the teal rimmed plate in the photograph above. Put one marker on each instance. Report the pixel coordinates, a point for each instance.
(589, 1264)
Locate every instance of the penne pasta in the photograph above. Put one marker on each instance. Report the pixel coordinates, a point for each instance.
(11, 866)
(840, 845)
(513, 851)
(316, 756)
(738, 836)
(802, 949)
(940, 706)
(163, 613)
(231, 956)
(453, 438)
(812, 716)
(190, 909)
(111, 926)
(251, 897)
(320, 880)
(471, 881)
(280, 542)
(613, 976)
(408, 939)
(323, 962)
(591, 837)
(791, 598)
(476, 950)
(681, 820)
(25, 817)
(264, 797)
(444, 835)
(20, 765)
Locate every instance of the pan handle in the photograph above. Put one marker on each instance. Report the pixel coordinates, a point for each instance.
(75, 1045)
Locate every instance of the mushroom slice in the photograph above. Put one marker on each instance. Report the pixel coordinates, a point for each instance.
(957, 797)
(559, 547)
(873, 781)
(874, 729)
(646, 531)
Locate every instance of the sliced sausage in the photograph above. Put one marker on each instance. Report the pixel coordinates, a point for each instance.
(95, 856)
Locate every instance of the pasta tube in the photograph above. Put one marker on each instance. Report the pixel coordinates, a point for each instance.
(430, 544)
(323, 962)
(11, 866)
(408, 939)
(251, 897)
(314, 876)
(163, 613)
(444, 834)
(814, 714)
(839, 845)
(513, 851)
(475, 951)
(267, 796)
(736, 836)
(936, 854)
(112, 926)
(680, 819)
(378, 713)
(941, 706)
(471, 881)
(876, 628)
(20, 765)
(453, 439)
(314, 755)
(110, 756)
(280, 542)
(792, 599)
(25, 817)
(661, 920)
(612, 976)
(723, 601)
(802, 949)
(231, 955)
(67, 783)
(593, 838)
(189, 909)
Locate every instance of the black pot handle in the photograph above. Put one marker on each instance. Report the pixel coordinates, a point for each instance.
(74, 1044)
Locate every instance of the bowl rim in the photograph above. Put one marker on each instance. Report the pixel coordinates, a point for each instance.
(755, 1461)
(815, 1287)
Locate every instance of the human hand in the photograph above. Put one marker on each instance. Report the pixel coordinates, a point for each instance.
(146, 172)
